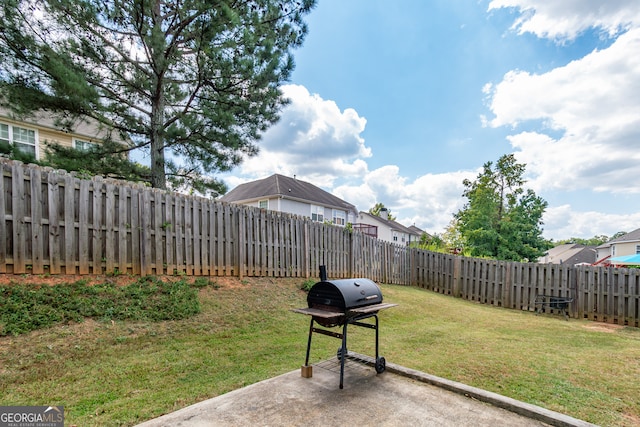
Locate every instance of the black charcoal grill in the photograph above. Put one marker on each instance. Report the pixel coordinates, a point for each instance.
(340, 303)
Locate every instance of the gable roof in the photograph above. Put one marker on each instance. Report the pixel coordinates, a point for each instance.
(632, 236)
(570, 254)
(393, 225)
(278, 185)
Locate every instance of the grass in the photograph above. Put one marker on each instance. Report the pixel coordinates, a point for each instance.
(27, 307)
(122, 372)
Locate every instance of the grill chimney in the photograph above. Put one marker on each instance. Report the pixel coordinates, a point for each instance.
(323, 273)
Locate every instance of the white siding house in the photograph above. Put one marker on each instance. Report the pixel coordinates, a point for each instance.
(628, 244)
(387, 230)
(284, 194)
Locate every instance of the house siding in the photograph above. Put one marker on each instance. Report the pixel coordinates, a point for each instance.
(292, 196)
(295, 207)
(385, 232)
(47, 134)
(43, 135)
(626, 248)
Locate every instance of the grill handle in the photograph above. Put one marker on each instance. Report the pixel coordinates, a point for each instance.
(370, 297)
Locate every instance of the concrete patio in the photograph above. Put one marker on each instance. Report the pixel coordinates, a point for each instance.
(397, 397)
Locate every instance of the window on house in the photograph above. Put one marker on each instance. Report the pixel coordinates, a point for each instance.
(23, 139)
(263, 204)
(4, 133)
(317, 213)
(339, 217)
(395, 236)
(83, 145)
(613, 250)
(637, 249)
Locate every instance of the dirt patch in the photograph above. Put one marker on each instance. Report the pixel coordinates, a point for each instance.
(46, 279)
(604, 327)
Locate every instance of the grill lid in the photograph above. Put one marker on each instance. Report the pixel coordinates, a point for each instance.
(344, 294)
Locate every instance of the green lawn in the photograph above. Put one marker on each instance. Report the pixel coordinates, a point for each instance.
(124, 372)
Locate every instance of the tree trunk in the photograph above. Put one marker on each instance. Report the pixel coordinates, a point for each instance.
(158, 176)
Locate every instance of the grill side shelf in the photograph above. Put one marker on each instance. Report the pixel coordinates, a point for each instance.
(371, 308)
(325, 314)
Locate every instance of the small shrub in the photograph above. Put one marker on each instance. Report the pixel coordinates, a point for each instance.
(307, 285)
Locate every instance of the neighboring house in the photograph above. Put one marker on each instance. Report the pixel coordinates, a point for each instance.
(30, 135)
(385, 229)
(569, 254)
(284, 194)
(628, 244)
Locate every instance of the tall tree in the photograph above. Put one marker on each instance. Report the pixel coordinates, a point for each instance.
(195, 83)
(501, 220)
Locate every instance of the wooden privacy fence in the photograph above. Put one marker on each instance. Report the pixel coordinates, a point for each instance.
(52, 222)
(602, 294)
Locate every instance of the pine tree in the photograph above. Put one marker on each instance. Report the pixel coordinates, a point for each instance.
(194, 83)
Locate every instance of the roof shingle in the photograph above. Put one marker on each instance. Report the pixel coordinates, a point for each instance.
(286, 187)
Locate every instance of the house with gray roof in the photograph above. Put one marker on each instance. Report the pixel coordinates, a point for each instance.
(385, 229)
(627, 244)
(569, 254)
(285, 194)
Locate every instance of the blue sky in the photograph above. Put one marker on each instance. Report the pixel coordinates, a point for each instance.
(399, 102)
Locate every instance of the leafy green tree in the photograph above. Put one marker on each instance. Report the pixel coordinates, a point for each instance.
(194, 83)
(593, 241)
(375, 210)
(452, 239)
(618, 234)
(500, 219)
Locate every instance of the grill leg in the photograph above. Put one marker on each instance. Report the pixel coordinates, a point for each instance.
(376, 317)
(306, 361)
(343, 352)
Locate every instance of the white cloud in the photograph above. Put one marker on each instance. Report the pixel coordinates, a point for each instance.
(594, 102)
(566, 19)
(576, 127)
(313, 139)
(429, 201)
(565, 223)
(321, 144)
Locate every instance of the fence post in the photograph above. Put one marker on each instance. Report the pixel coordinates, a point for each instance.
(351, 254)
(241, 242)
(456, 276)
(306, 254)
(573, 287)
(506, 287)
